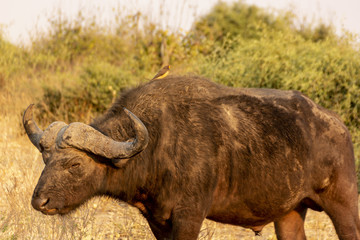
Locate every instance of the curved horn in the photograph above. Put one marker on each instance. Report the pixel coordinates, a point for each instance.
(32, 130)
(142, 134)
(86, 138)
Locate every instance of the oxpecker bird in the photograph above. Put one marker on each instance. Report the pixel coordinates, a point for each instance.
(162, 73)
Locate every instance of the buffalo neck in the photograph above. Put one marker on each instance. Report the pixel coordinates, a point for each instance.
(135, 176)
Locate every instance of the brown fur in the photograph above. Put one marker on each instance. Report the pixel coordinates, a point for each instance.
(240, 156)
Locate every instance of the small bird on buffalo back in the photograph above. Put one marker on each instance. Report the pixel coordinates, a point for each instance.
(162, 73)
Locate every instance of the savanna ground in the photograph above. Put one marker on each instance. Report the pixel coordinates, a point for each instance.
(76, 69)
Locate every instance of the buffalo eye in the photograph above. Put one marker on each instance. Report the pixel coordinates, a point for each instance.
(74, 168)
(75, 165)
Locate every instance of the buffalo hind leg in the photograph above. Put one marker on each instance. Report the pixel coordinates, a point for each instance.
(291, 226)
(346, 222)
(339, 200)
(343, 212)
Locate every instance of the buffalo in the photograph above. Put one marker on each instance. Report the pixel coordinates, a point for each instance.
(182, 149)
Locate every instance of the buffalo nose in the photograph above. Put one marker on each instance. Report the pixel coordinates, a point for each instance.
(39, 203)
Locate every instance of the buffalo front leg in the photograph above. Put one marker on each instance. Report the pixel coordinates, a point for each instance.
(291, 226)
(186, 225)
(160, 232)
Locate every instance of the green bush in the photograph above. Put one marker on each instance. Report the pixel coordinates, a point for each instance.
(91, 93)
(238, 19)
(252, 22)
(100, 83)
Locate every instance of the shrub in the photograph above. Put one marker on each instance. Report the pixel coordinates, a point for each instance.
(90, 94)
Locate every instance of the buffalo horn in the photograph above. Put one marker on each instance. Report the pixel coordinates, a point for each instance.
(86, 138)
(32, 130)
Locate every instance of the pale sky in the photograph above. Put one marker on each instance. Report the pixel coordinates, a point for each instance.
(18, 18)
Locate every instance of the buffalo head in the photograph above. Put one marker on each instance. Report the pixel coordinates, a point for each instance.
(74, 158)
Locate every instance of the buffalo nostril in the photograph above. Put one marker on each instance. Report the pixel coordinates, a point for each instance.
(40, 203)
(44, 202)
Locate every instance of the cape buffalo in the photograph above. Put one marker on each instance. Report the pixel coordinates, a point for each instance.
(191, 149)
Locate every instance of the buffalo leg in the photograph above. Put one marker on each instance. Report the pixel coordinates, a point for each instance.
(340, 200)
(343, 212)
(159, 232)
(291, 226)
(186, 226)
(345, 222)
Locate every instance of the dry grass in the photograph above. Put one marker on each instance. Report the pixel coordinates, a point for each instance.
(100, 218)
